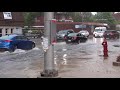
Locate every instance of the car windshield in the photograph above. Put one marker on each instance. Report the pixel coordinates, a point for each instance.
(97, 30)
(83, 31)
(72, 34)
(6, 37)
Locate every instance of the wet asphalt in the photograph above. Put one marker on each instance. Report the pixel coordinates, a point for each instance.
(84, 60)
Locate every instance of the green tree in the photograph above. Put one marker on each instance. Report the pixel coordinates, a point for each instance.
(75, 16)
(29, 17)
(81, 16)
(105, 17)
(87, 17)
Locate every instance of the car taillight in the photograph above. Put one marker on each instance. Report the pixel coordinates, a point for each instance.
(111, 33)
(8, 40)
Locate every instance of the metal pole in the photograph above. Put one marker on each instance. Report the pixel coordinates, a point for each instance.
(49, 69)
(82, 19)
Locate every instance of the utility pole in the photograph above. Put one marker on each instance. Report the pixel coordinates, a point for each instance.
(82, 19)
(49, 68)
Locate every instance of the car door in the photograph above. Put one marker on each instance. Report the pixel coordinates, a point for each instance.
(16, 42)
(78, 37)
(24, 43)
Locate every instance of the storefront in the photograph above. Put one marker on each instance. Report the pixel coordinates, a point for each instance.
(11, 23)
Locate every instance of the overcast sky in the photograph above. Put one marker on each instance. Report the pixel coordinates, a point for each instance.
(96, 12)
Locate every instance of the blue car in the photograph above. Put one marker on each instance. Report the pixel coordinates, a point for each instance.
(12, 42)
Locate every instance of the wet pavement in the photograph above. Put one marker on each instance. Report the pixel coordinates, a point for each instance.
(84, 60)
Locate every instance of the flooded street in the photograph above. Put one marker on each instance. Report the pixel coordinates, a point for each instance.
(84, 60)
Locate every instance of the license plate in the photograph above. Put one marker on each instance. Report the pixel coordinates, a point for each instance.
(69, 40)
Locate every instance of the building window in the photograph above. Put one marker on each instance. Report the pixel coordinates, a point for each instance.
(11, 30)
(6, 31)
(0, 32)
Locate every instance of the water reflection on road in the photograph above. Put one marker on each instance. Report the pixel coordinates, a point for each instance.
(98, 40)
(71, 60)
(87, 56)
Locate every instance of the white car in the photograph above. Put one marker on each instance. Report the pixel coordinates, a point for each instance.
(84, 32)
(98, 33)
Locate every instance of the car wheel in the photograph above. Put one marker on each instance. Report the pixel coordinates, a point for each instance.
(13, 49)
(33, 45)
(117, 37)
(78, 41)
(67, 42)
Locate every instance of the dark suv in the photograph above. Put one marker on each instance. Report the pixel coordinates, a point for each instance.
(111, 34)
(62, 34)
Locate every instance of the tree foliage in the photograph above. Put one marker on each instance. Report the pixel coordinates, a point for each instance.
(105, 17)
(81, 16)
(29, 17)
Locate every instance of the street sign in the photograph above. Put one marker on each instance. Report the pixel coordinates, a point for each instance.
(7, 15)
(45, 43)
(53, 31)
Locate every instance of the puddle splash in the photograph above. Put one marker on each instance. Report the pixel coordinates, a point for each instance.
(36, 48)
(19, 51)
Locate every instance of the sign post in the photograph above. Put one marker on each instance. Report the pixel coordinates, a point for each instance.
(49, 68)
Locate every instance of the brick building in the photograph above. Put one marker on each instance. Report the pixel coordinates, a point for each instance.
(64, 21)
(11, 22)
(77, 26)
(38, 24)
(117, 17)
(60, 17)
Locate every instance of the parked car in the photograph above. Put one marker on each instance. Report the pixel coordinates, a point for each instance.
(84, 32)
(76, 38)
(14, 41)
(98, 32)
(62, 34)
(118, 31)
(29, 35)
(111, 34)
